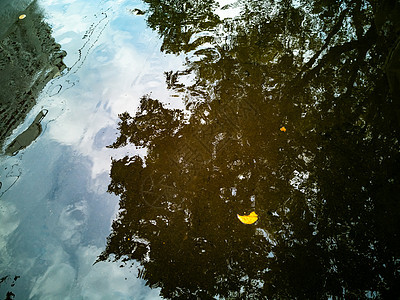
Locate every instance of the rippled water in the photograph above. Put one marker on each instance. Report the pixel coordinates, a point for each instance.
(137, 132)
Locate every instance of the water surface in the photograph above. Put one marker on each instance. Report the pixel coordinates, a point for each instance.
(174, 117)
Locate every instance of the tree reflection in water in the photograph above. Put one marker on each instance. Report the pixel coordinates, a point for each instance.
(326, 189)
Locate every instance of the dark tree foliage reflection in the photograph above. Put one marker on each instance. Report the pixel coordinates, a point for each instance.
(326, 189)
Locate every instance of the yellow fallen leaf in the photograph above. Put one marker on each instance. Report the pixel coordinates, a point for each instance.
(22, 17)
(283, 129)
(249, 219)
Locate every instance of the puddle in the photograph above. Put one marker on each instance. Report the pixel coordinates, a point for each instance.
(200, 150)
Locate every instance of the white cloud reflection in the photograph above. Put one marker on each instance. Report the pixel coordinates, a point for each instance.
(123, 65)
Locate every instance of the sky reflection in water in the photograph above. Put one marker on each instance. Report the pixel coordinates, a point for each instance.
(324, 188)
(57, 213)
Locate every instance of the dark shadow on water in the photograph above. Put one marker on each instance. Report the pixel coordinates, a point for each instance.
(295, 115)
(24, 139)
(29, 59)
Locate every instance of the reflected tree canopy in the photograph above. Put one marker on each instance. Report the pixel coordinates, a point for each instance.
(294, 114)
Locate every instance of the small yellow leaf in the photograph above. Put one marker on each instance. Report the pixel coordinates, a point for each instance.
(283, 129)
(249, 219)
(22, 17)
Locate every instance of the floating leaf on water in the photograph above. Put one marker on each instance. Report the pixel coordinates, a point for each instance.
(248, 219)
(22, 17)
(283, 129)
